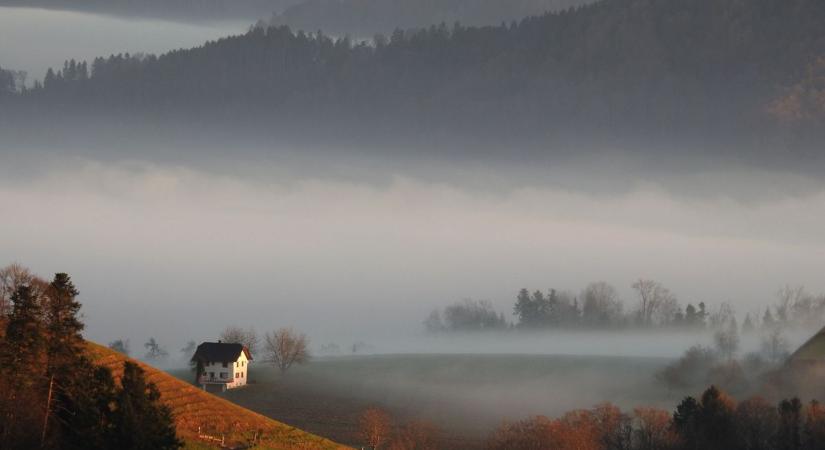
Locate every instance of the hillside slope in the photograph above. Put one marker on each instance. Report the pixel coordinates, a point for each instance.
(195, 409)
(710, 75)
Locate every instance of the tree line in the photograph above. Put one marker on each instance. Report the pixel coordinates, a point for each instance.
(52, 396)
(367, 17)
(599, 306)
(714, 421)
(282, 348)
(12, 82)
(701, 71)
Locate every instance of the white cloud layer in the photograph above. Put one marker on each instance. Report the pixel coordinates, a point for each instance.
(152, 247)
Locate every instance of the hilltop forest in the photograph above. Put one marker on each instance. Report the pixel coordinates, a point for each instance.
(365, 17)
(708, 72)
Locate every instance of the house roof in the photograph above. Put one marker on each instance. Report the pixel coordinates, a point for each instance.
(220, 352)
(812, 349)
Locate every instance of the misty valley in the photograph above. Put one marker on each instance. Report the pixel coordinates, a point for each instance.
(412, 224)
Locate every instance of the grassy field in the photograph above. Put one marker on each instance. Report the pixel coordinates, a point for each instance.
(196, 410)
(465, 395)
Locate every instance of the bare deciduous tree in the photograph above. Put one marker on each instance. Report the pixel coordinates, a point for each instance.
(601, 304)
(654, 299)
(654, 429)
(189, 349)
(154, 352)
(12, 277)
(237, 335)
(722, 316)
(120, 346)
(376, 426)
(416, 435)
(727, 341)
(786, 300)
(774, 345)
(613, 426)
(285, 347)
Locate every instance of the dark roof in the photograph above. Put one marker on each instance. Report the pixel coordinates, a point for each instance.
(220, 352)
(813, 349)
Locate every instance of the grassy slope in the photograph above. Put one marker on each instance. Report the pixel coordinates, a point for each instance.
(194, 408)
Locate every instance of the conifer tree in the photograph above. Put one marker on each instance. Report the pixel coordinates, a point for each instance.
(77, 387)
(64, 328)
(716, 420)
(789, 436)
(24, 339)
(21, 355)
(141, 422)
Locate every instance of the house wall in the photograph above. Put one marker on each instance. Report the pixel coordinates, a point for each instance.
(240, 369)
(236, 371)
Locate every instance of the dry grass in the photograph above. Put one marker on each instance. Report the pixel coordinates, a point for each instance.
(193, 409)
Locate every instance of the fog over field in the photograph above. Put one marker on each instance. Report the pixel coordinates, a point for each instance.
(350, 253)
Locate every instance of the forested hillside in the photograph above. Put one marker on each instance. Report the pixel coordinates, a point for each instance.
(705, 70)
(366, 17)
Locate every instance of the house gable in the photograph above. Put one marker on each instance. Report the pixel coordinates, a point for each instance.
(221, 352)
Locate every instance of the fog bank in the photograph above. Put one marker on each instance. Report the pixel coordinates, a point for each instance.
(179, 253)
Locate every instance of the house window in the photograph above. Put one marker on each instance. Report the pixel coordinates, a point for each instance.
(211, 374)
(226, 364)
(223, 374)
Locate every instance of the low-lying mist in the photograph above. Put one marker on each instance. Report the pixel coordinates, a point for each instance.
(179, 252)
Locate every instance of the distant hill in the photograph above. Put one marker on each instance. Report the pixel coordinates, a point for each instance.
(183, 10)
(356, 17)
(711, 75)
(364, 18)
(193, 409)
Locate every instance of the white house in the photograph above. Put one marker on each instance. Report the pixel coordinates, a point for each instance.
(222, 366)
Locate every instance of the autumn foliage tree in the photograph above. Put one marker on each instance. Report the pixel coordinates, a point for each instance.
(375, 426)
(654, 429)
(713, 421)
(415, 435)
(602, 427)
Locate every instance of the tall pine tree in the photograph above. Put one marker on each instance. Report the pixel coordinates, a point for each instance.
(141, 422)
(21, 381)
